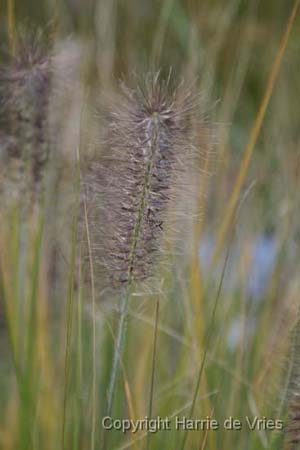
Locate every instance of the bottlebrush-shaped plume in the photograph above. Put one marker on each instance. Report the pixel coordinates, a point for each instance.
(149, 144)
(25, 84)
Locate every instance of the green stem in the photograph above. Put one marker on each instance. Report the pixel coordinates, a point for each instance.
(153, 368)
(118, 351)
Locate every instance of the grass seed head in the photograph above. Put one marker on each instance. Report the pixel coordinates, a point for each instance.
(25, 84)
(148, 142)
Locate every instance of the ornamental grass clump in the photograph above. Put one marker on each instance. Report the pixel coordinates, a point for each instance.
(25, 87)
(148, 149)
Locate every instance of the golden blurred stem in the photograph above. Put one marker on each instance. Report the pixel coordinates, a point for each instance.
(254, 135)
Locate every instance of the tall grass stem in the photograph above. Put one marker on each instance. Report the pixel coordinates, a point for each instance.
(70, 308)
(153, 367)
(208, 341)
(94, 387)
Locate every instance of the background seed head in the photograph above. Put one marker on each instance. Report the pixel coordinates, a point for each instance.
(25, 85)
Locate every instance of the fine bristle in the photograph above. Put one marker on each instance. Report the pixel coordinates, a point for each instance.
(147, 144)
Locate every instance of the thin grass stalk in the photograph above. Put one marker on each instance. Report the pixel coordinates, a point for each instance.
(212, 320)
(131, 409)
(94, 387)
(159, 37)
(70, 311)
(29, 374)
(203, 441)
(8, 258)
(118, 352)
(38, 247)
(70, 302)
(10, 296)
(126, 385)
(79, 362)
(208, 341)
(153, 367)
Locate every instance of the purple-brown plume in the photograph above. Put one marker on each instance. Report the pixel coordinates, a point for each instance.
(148, 145)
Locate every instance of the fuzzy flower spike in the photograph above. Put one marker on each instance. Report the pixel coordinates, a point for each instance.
(25, 84)
(148, 144)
